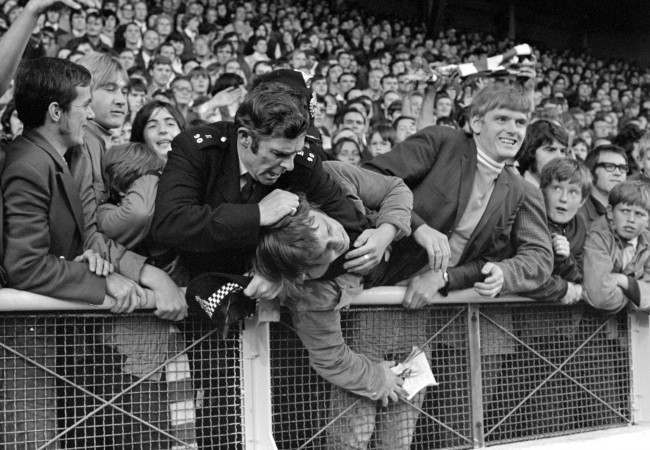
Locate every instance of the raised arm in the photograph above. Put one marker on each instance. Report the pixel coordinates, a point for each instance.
(14, 41)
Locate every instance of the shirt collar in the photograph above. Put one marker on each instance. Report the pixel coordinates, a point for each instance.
(242, 169)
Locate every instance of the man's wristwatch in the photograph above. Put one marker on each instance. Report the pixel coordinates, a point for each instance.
(444, 290)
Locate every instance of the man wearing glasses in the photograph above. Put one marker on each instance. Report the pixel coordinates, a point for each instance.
(608, 165)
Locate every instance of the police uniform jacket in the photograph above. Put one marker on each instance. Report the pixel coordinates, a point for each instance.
(200, 211)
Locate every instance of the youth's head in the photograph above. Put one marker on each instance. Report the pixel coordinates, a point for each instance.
(156, 125)
(271, 125)
(182, 91)
(629, 207)
(404, 127)
(545, 140)
(608, 165)
(300, 246)
(355, 120)
(347, 150)
(136, 95)
(123, 164)
(160, 70)
(498, 119)
(55, 93)
(381, 139)
(566, 184)
(109, 89)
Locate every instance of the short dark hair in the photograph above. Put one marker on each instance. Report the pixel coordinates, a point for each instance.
(143, 115)
(539, 133)
(636, 192)
(136, 84)
(286, 250)
(42, 81)
(271, 110)
(159, 61)
(565, 169)
(227, 80)
(594, 155)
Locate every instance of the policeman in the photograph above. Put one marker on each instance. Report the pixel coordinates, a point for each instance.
(223, 182)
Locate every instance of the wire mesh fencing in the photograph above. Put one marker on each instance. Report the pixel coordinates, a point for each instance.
(544, 370)
(550, 370)
(310, 413)
(99, 381)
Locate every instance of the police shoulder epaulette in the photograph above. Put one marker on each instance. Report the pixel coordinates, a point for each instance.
(205, 138)
(312, 138)
(305, 157)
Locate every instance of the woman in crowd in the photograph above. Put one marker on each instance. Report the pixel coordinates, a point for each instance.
(132, 171)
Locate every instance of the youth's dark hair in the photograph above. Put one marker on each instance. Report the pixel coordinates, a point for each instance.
(42, 81)
(143, 115)
(539, 133)
(227, 80)
(285, 249)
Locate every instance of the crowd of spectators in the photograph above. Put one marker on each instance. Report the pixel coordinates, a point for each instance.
(201, 56)
(553, 138)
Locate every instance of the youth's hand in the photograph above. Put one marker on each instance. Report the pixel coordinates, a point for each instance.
(436, 245)
(369, 249)
(168, 297)
(422, 289)
(393, 390)
(97, 265)
(561, 245)
(127, 293)
(261, 288)
(493, 282)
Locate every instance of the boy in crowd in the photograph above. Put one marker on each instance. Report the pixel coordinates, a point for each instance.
(565, 184)
(617, 256)
(161, 73)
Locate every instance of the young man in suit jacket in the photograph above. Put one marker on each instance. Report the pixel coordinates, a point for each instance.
(476, 222)
(48, 233)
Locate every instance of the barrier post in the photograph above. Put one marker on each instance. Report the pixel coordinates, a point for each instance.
(476, 375)
(639, 335)
(256, 385)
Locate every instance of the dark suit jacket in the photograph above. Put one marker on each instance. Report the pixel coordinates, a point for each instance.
(438, 164)
(199, 209)
(44, 224)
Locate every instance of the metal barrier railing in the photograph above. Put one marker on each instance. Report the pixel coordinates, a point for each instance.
(507, 372)
(101, 381)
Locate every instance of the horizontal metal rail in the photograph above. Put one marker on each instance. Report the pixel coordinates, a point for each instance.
(16, 300)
